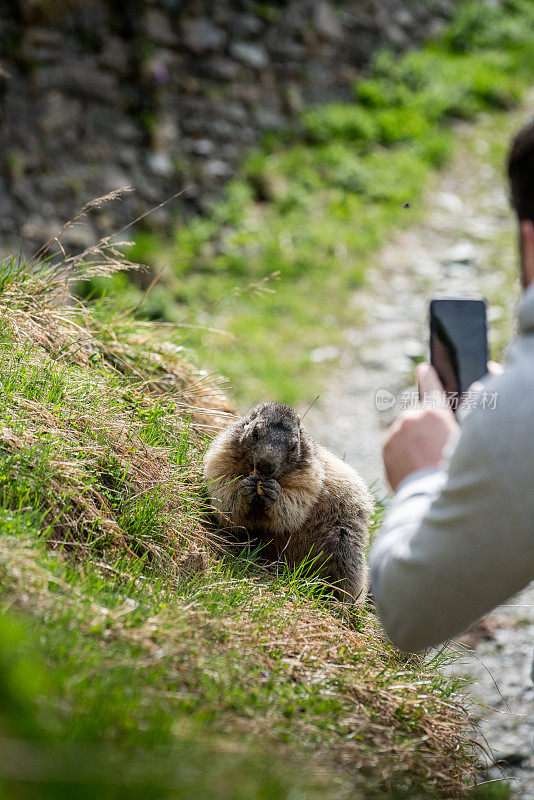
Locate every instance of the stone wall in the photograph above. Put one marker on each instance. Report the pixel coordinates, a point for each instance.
(159, 95)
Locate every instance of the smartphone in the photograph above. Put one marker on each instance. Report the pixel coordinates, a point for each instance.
(458, 341)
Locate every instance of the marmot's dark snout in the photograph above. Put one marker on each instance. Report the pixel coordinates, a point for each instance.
(265, 468)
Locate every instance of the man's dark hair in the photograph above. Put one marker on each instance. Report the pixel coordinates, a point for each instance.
(521, 172)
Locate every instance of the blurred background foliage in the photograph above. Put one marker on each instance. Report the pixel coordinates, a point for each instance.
(300, 224)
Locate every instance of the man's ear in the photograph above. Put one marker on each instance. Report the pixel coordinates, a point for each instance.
(526, 246)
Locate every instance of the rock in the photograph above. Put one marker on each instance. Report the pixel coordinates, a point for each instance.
(90, 19)
(223, 68)
(482, 228)
(115, 55)
(495, 313)
(202, 36)
(224, 129)
(283, 48)
(79, 236)
(414, 350)
(450, 202)
(426, 267)
(195, 126)
(114, 179)
(202, 147)
(296, 17)
(39, 229)
(158, 219)
(327, 23)
(7, 225)
(461, 253)
(172, 5)
(270, 120)
(253, 55)
(248, 93)
(157, 27)
(160, 163)
(147, 188)
(325, 353)
(397, 37)
(294, 100)
(190, 85)
(216, 168)
(374, 360)
(236, 112)
(247, 25)
(403, 18)
(128, 131)
(41, 45)
(157, 71)
(230, 151)
(23, 192)
(59, 112)
(42, 37)
(80, 79)
(127, 156)
(166, 134)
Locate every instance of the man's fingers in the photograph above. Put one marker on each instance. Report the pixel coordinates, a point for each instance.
(429, 385)
(494, 368)
(416, 441)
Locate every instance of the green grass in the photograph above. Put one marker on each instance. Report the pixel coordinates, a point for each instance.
(276, 260)
(137, 658)
(101, 703)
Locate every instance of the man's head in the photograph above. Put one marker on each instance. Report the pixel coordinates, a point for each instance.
(521, 177)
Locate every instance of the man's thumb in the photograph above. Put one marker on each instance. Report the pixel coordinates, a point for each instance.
(429, 385)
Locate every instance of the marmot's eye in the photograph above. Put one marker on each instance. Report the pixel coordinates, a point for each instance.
(255, 434)
(293, 447)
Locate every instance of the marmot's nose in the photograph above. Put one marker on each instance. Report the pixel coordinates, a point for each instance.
(265, 468)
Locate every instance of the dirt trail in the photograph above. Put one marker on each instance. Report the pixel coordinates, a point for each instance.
(463, 241)
(466, 228)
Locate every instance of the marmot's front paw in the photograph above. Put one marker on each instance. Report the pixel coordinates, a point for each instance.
(269, 489)
(248, 488)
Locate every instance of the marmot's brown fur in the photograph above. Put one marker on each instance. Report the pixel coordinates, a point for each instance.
(270, 478)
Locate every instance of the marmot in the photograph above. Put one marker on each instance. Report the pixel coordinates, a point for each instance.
(269, 477)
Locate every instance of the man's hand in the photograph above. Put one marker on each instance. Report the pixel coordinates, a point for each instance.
(417, 439)
(494, 369)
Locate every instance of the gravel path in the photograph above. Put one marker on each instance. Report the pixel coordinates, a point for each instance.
(463, 241)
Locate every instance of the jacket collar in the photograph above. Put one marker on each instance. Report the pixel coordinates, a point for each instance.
(526, 311)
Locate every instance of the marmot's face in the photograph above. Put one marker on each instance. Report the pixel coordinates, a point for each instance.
(272, 440)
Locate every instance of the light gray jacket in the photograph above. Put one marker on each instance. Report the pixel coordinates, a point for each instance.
(457, 542)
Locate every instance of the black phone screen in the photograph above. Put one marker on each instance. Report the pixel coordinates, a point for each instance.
(458, 341)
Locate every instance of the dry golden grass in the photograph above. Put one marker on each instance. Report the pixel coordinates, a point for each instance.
(111, 373)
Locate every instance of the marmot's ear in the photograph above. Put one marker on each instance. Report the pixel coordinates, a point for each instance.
(246, 425)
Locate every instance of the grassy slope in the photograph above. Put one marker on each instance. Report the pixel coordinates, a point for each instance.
(315, 204)
(137, 659)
